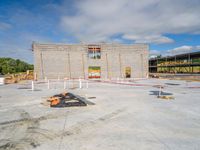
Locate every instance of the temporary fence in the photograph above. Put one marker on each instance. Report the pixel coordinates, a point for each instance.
(81, 83)
(60, 84)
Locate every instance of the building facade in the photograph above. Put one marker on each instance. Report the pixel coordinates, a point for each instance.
(90, 60)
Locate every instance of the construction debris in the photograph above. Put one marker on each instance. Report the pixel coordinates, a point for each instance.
(17, 77)
(162, 95)
(165, 97)
(66, 100)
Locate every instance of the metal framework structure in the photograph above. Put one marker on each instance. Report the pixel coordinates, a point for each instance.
(182, 63)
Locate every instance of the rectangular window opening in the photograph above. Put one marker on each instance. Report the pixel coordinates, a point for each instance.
(94, 51)
(94, 72)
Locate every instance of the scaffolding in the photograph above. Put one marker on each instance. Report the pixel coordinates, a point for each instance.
(183, 63)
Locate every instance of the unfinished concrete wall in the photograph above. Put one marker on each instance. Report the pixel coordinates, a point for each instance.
(72, 61)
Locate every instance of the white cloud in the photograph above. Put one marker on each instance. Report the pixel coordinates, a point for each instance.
(140, 21)
(154, 53)
(157, 39)
(183, 49)
(4, 26)
(175, 51)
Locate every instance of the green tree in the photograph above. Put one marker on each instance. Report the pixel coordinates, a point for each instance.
(9, 65)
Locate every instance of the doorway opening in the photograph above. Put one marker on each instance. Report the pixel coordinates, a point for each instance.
(128, 72)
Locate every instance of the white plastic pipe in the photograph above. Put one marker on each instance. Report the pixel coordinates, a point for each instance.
(32, 86)
(64, 84)
(2, 80)
(87, 84)
(80, 83)
(48, 84)
(159, 94)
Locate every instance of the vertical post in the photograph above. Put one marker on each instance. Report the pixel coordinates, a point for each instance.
(68, 84)
(69, 66)
(80, 83)
(189, 60)
(87, 84)
(83, 66)
(150, 66)
(159, 93)
(32, 86)
(64, 84)
(48, 84)
(42, 65)
(157, 65)
(73, 83)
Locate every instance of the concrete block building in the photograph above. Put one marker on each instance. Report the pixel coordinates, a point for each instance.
(91, 61)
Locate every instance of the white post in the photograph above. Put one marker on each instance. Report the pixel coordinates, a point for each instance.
(64, 84)
(87, 84)
(48, 84)
(2, 81)
(80, 83)
(159, 93)
(32, 86)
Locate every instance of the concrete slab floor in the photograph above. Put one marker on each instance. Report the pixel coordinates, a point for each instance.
(124, 117)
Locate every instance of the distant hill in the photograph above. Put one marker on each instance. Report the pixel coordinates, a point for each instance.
(10, 65)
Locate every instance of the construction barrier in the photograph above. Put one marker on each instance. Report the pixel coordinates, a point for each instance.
(2, 80)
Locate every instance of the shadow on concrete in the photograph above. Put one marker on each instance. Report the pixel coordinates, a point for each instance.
(171, 84)
(35, 90)
(85, 100)
(161, 93)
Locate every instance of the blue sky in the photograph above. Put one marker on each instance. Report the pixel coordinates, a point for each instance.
(170, 27)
